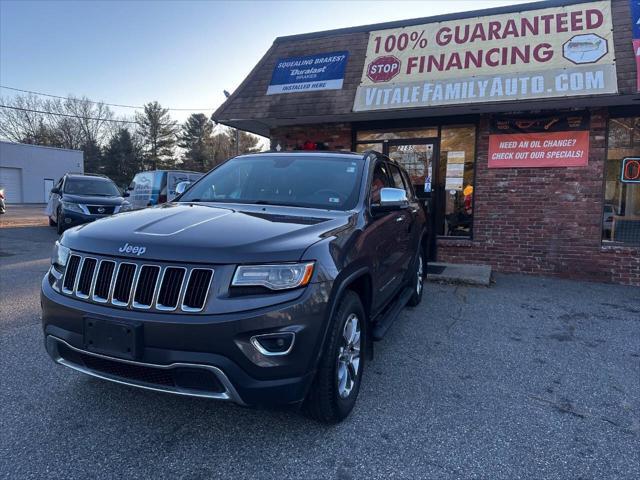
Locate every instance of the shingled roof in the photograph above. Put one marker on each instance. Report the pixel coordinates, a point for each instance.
(250, 109)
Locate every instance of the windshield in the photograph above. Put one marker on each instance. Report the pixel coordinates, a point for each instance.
(315, 181)
(100, 187)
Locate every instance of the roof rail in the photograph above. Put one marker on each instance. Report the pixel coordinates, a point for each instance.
(375, 153)
(302, 151)
(90, 175)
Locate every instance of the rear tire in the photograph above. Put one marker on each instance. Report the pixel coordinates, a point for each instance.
(337, 382)
(418, 279)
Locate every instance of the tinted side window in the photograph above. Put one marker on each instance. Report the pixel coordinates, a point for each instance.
(396, 177)
(379, 181)
(407, 186)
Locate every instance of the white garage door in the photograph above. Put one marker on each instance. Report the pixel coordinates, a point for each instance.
(11, 182)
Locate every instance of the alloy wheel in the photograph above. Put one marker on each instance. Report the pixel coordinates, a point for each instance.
(349, 356)
(420, 273)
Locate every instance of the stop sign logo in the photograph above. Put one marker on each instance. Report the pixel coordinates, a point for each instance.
(383, 69)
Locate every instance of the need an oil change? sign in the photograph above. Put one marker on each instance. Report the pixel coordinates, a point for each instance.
(551, 52)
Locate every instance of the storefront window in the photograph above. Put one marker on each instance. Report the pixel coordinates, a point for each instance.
(621, 215)
(363, 147)
(456, 173)
(416, 159)
(377, 135)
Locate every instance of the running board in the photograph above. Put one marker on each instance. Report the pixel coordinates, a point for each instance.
(382, 326)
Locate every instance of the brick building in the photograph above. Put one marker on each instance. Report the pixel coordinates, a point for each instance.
(520, 126)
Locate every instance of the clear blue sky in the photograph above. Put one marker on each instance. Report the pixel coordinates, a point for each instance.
(183, 54)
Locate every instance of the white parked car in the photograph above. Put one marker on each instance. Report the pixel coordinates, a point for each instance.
(157, 186)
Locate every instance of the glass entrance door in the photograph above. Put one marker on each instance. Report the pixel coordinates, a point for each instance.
(441, 162)
(419, 159)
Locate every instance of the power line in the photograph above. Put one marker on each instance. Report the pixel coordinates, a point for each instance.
(104, 103)
(74, 116)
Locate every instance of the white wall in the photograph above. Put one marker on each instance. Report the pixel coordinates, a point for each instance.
(38, 163)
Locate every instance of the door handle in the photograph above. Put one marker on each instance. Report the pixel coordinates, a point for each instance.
(400, 218)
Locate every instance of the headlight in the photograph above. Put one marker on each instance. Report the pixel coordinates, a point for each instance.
(72, 207)
(60, 255)
(125, 207)
(275, 277)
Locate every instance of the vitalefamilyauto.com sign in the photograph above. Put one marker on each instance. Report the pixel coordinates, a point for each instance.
(552, 52)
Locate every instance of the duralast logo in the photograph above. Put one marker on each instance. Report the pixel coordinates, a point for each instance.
(134, 249)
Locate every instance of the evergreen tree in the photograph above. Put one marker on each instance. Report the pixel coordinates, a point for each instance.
(196, 139)
(92, 157)
(122, 158)
(158, 134)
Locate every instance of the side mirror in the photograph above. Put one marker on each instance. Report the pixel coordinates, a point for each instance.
(391, 199)
(182, 187)
(131, 187)
(125, 193)
(55, 191)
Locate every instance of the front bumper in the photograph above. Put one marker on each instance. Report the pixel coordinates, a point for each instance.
(161, 378)
(181, 353)
(71, 219)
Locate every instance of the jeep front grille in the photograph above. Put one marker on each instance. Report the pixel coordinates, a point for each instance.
(69, 282)
(147, 283)
(86, 277)
(127, 284)
(124, 282)
(170, 288)
(196, 291)
(103, 281)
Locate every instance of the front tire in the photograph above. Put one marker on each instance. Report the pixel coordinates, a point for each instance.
(418, 280)
(60, 223)
(337, 382)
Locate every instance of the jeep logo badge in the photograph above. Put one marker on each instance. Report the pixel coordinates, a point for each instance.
(135, 250)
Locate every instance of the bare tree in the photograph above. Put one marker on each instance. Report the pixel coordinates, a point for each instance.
(93, 118)
(69, 123)
(224, 143)
(24, 122)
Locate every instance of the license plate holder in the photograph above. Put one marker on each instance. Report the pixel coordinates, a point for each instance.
(113, 338)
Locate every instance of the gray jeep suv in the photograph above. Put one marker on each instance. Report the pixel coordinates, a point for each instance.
(266, 282)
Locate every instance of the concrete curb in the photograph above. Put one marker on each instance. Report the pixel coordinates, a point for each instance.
(465, 274)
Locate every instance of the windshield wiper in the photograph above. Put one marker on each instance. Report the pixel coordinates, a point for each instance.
(277, 204)
(242, 202)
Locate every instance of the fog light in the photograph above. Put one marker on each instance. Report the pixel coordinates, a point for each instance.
(274, 344)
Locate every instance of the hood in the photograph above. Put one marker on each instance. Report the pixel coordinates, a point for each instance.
(203, 233)
(92, 199)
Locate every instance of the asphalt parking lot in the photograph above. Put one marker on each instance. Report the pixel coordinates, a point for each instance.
(531, 378)
(24, 215)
